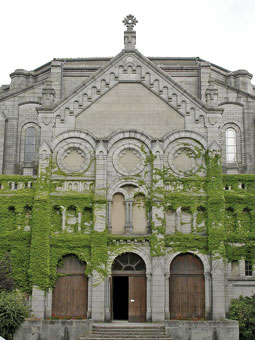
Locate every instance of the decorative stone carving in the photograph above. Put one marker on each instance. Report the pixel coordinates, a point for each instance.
(130, 21)
(128, 160)
(185, 158)
(73, 159)
(48, 95)
(211, 94)
(130, 35)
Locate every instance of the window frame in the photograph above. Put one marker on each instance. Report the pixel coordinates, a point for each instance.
(27, 153)
(231, 141)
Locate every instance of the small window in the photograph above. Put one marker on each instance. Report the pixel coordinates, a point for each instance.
(30, 145)
(231, 145)
(248, 268)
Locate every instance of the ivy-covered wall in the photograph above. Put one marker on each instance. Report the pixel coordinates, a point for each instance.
(33, 233)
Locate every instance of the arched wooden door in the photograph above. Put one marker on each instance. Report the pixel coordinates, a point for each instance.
(129, 288)
(186, 288)
(70, 296)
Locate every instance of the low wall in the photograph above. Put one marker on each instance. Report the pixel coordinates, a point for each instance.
(53, 329)
(202, 330)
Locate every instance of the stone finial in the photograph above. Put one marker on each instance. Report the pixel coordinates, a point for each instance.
(130, 35)
(211, 94)
(130, 21)
(48, 95)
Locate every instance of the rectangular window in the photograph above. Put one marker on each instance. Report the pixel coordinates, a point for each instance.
(248, 268)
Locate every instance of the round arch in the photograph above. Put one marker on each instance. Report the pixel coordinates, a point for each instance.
(70, 295)
(117, 187)
(145, 255)
(187, 287)
(128, 287)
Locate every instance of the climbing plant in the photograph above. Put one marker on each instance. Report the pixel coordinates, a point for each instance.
(222, 210)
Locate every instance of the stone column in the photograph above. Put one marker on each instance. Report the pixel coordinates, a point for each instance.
(109, 216)
(99, 239)
(149, 293)
(40, 246)
(218, 290)
(208, 290)
(158, 289)
(129, 218)
(167, 311)
(98, 297)
(90, 278)
(2, 137)
(107, 299)
(38, 303)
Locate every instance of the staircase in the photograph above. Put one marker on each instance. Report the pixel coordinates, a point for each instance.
(127, 331)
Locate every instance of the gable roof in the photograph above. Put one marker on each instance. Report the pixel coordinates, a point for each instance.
(130, 67)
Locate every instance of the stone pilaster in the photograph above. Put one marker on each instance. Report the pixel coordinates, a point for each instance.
(158, 289)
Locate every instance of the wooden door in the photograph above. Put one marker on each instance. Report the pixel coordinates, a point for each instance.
(137, 299)
(186, 288)
(70, 295)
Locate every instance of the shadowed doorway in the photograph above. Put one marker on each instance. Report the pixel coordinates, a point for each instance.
(129, 288)
(120, 297)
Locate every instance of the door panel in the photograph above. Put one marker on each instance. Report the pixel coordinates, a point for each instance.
(137, 299)
(70, 296)
(187, 296)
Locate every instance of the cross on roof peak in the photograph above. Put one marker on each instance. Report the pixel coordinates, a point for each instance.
(130, 21)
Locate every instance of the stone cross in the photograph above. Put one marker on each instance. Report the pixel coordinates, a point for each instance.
(130, 35)
(130, 21)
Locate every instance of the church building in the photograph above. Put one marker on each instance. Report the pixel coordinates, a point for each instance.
(127, 186)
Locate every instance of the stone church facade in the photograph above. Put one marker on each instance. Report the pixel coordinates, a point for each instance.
(127, 186)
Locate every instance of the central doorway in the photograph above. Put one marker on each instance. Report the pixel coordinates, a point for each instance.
(129, 288)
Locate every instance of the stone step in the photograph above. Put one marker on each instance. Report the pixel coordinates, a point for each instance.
(128, 331)
(137, 328)
(132, 335)
(114, 338)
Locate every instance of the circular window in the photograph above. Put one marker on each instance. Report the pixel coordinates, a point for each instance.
(185, 159)
(73, 158)
(128, 160)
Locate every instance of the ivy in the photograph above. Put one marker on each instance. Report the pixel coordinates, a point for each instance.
(31, 230)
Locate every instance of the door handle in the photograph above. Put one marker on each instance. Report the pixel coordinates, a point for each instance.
(132, 300)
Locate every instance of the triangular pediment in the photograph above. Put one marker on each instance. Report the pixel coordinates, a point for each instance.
(129, 67)
(129, 106)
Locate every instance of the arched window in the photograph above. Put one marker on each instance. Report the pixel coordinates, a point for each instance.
(118, 214)
(231, 145)
(30, 145)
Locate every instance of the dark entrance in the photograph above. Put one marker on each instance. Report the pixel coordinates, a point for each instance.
(70, 296)
(129, 288)
(187, 288)
(120, 297)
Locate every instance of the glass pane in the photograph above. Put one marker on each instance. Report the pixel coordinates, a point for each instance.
(230, 145)
(230, 133)
(231, 158)
(29, 157)
(30, 132)
(30, 145)
(231, 149)
(116, 265)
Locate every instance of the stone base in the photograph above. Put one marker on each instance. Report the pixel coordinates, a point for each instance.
(200, 330)
(53, 329)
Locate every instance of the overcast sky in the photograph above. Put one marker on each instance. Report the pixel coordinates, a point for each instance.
(33, 32)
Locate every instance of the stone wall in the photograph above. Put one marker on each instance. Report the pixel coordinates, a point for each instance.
(53, 329)
(203, 330)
